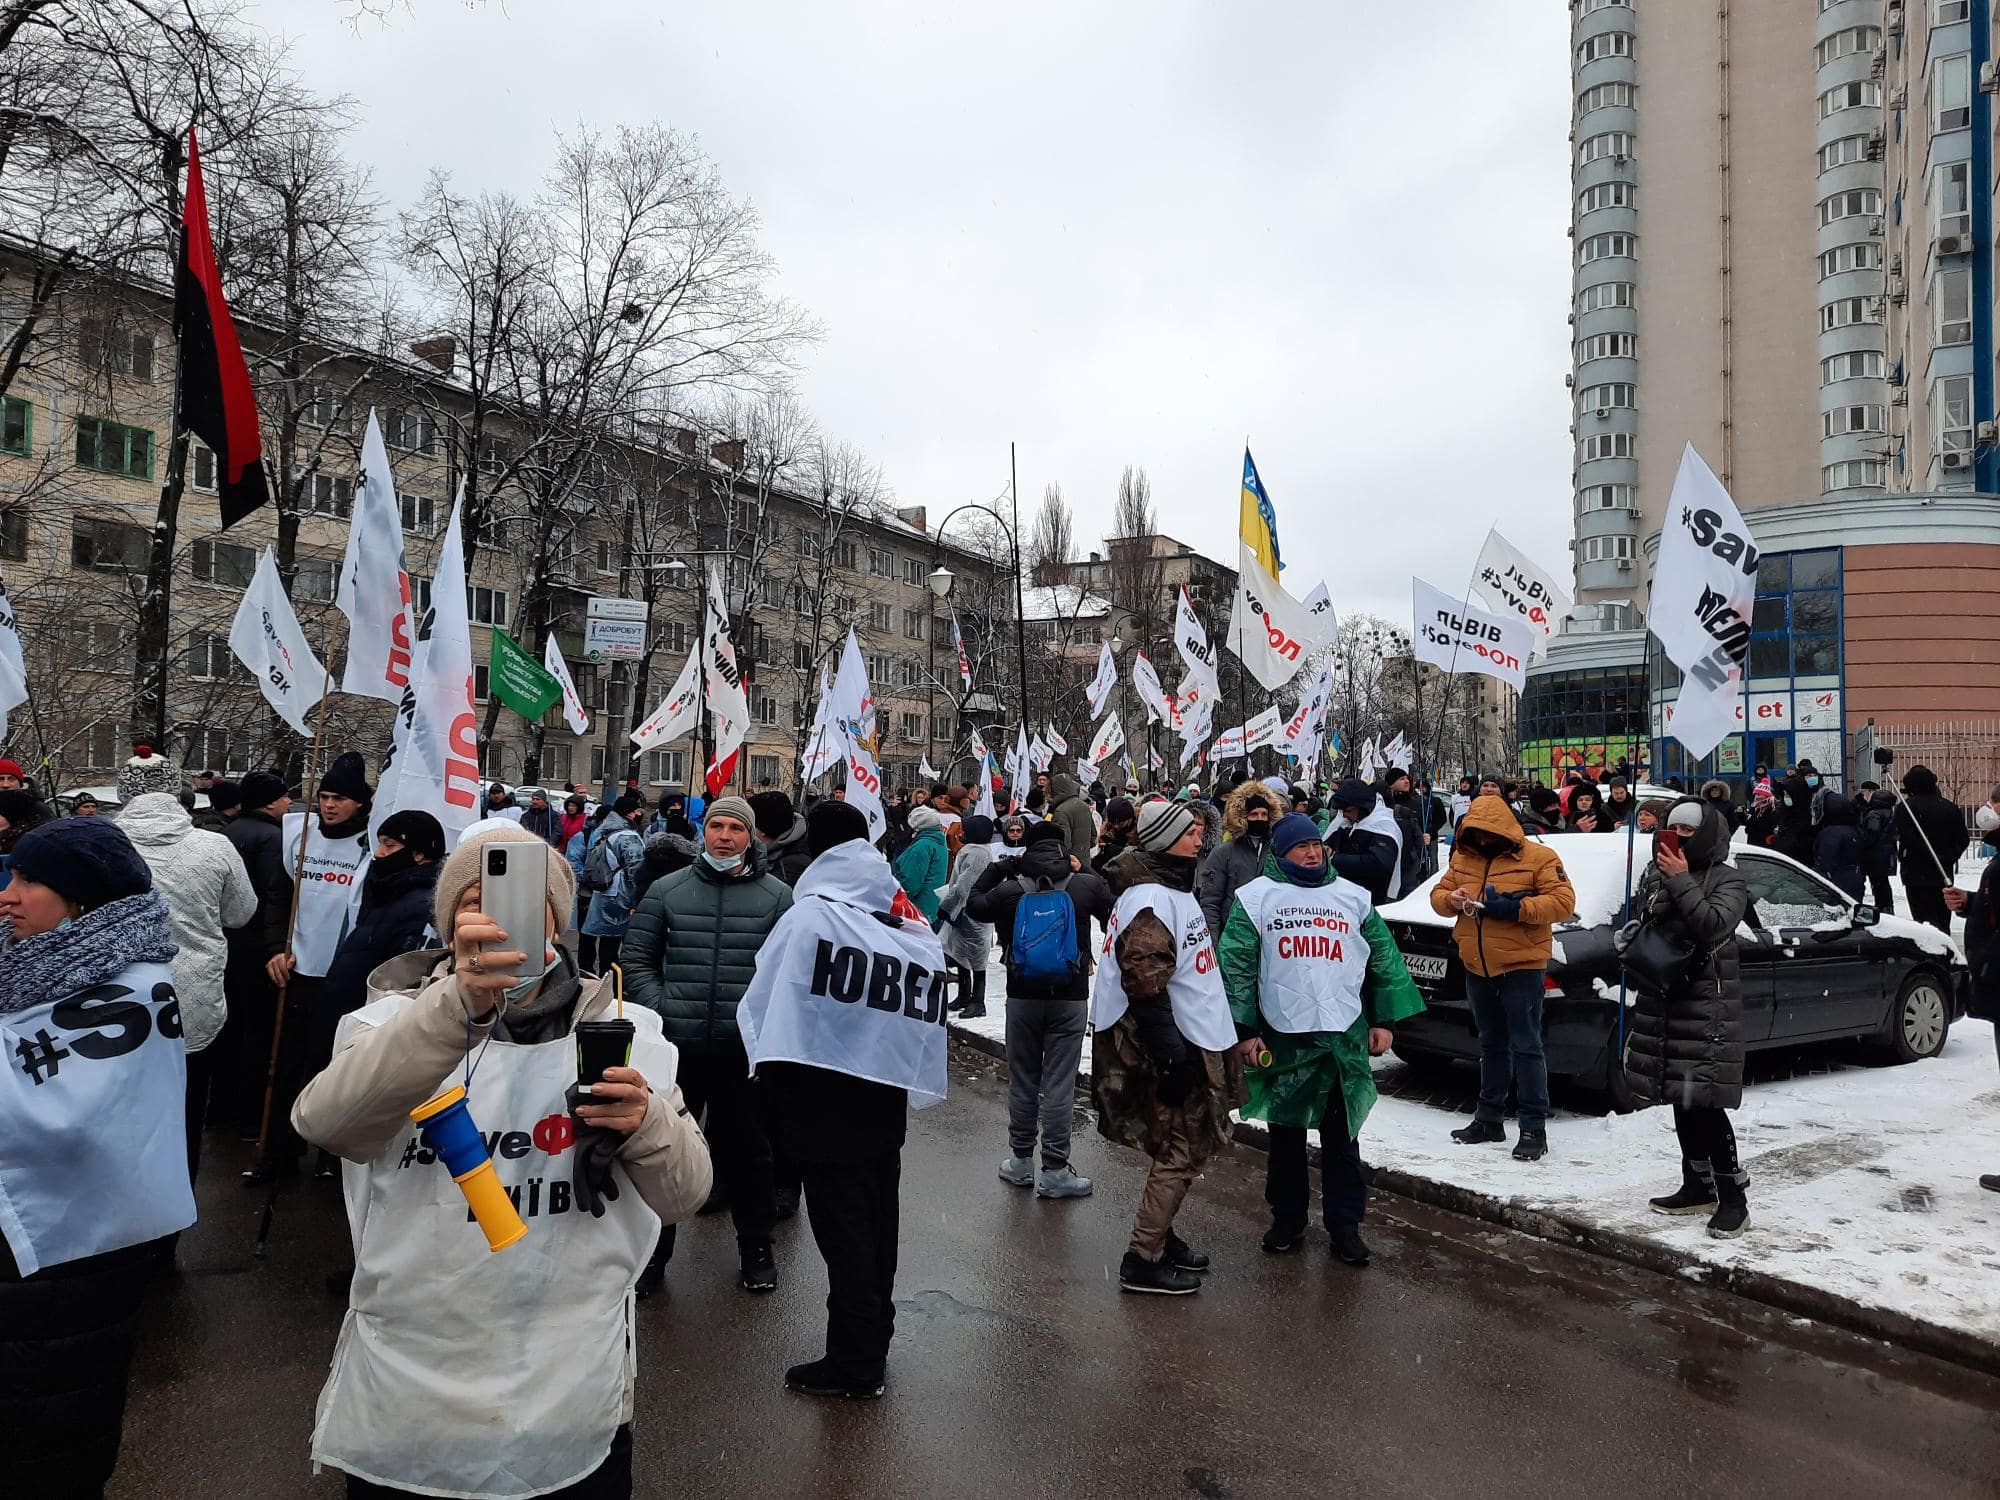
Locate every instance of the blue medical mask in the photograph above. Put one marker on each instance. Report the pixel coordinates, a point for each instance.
(1812, 781)
(716, 862)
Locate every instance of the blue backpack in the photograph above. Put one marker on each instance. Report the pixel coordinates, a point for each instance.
(1043, 946)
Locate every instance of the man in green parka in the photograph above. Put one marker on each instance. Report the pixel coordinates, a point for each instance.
(1315, 983)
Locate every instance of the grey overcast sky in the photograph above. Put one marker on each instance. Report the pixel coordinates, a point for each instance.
(1111, 232)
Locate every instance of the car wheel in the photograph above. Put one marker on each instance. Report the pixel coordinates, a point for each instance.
(1920, 1019)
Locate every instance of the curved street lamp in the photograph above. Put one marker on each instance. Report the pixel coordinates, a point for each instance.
(1020, 607)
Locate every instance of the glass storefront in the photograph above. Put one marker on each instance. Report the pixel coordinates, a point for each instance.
(1586, 719)
(1792, 709)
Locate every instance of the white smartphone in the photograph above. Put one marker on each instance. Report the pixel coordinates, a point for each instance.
(514, 892)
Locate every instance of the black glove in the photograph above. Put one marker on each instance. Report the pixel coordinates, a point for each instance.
(1177, 1080)
(596, 1148)
(1502, 908)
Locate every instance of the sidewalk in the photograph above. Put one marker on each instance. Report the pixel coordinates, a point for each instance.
(1866, 1209)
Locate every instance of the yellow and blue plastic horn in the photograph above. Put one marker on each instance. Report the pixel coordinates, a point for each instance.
(447, 1129)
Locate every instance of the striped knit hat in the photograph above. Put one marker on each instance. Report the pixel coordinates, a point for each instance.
(1161, 825)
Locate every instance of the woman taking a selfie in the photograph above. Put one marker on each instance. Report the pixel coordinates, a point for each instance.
(505, 1371)
(1686, 1031)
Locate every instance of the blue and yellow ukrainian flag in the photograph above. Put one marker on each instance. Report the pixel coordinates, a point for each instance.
(1259, 524)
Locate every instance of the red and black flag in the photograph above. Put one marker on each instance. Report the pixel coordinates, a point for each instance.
(216, 403)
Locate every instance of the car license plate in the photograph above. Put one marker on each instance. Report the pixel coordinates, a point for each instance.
(1425, 965)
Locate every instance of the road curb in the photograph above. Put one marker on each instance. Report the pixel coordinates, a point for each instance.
(1948, 1344)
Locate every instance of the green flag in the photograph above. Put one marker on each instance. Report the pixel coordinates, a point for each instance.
(521, 682)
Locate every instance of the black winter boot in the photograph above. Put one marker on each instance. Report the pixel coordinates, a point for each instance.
(1184, 1257)
(1348, 1246)
(1697, 1191)
(1137, 1274)
(1479, 1132)
(1733, 1217)
(1532, 1146)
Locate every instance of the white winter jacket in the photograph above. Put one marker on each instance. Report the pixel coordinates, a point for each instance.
(201, 878)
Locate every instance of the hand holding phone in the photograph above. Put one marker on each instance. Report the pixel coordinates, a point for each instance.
(514, 894)
(1668, 839)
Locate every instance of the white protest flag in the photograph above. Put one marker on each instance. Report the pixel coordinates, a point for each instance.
(1394, 753)
(266, 638)
(823, 743)
(728, 707)
(984, 806)
(1056, 742)
(679, 712)
(433, 763)
(958, 649)
(1023, 774)
(1155, 761)
(1152, 696)
(1459, 638)
(853, 704)
(1110, 738)
(1263, 729)
(1103, 682)
(1228, 745)
(925, 769)
(976, 743)
(573, 714)
(1039, 754)
(374, 587)
(1506, 582)
(864, 788)
(1272, 632)
(1704, 586)
(13, 666)
(1191, 641)
(1307, 724)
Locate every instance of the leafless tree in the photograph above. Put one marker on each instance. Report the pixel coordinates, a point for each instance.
(1051, 536)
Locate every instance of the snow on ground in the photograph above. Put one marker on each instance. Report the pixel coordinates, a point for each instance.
(1864, 1181)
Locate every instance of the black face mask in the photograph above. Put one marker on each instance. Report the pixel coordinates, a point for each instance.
(1258, 828)
(393, 864)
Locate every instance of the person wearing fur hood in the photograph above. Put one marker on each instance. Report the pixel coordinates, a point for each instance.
(1247, 815)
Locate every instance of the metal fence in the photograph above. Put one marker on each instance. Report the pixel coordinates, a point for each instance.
(1965, 754)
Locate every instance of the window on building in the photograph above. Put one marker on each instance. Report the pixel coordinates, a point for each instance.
(1605, 497)
(913, 624)
(1604, 445)
(1607, 195)
(1865, 93)
(410, 429)
(1615, 145)
(329, 495)
(879, 667)
(108, 546)
(1863, 203)
(555, 767)
(419, 513)
(494, 454)
(201, 466)
(209, 659)
(224, 563)
(1607, 246)
(1842, 420)
(420, 592)
(763, 707)
(1858, 364)
(1863, 255)
(808, 543)
(1951, 294)
(1853, 474)
(1951, 91)
(1615, 395)
(771, 591)
(914, 571)
(1844, 312)
(802, 655)
(674, 636)
(16, 425)
(1843, 152)
(763, 768)
(881, 564)
(14, 535)
(1604, 294)
(844, 606)
(1605, 44)
(321, 406)
(913, 672)
(1948, 11)
(1952, 405)
(1592, 7)
(880, 615)
(1604, 346)
(1847, 42)
(104, 344)
(480, 673)
(113, 448)
(489, 606)
(1604, 96)
(317, 579)
(1606, 549)
(492, 754)
(1951, 198)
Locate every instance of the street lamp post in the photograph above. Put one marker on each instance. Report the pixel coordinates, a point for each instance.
(1020, 608)
(941, 579)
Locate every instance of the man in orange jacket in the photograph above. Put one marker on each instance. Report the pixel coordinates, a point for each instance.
(1507, 892)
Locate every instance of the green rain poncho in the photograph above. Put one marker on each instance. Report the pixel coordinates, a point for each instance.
(1306, 1067)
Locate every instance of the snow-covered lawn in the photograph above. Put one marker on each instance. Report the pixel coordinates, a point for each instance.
(1864, 1181)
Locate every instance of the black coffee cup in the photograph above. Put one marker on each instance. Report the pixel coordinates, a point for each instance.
(601, 1045)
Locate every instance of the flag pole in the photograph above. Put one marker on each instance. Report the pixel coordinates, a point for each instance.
(291, 933)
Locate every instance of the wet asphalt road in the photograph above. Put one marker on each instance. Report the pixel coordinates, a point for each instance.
(1465, 1361)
